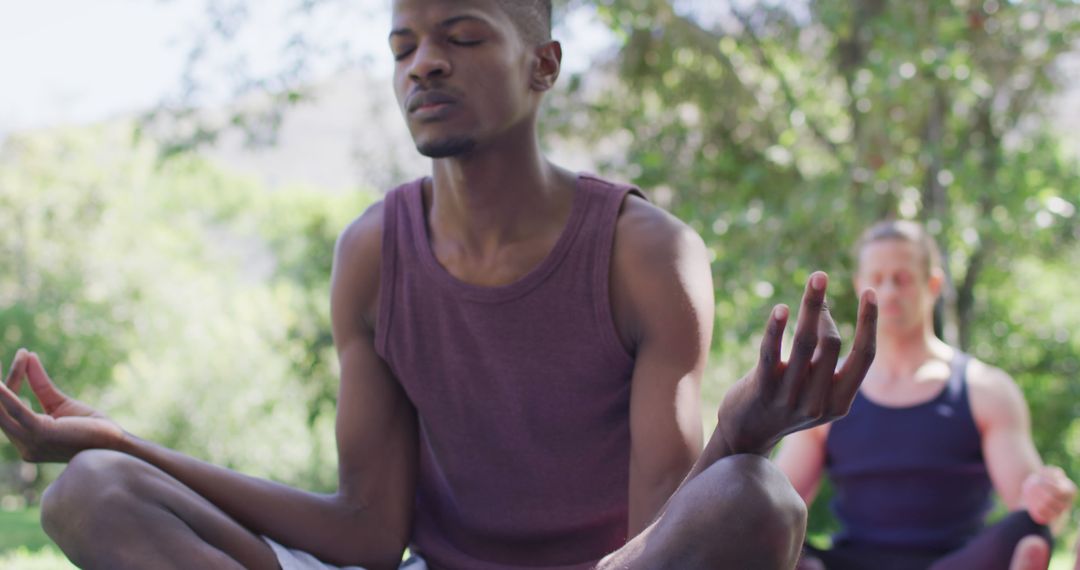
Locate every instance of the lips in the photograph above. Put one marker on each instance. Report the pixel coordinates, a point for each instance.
(426, 99)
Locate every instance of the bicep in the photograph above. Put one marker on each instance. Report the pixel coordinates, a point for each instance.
(802, 459)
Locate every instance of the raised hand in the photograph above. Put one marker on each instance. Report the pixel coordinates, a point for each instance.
(67, 427)
(777, 398)
(1047, 494)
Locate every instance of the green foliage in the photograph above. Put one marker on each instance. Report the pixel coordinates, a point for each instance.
(26, 559)
(782, 132)
(189, 304)
(21, 529)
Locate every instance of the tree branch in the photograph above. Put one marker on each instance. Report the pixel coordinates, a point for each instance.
(785, 86)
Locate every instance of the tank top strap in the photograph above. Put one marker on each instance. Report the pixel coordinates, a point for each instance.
(609, 199)
(957, 387)
(395, 236)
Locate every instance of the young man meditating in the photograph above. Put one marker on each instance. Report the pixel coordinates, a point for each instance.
(521, 350)
(930, 435)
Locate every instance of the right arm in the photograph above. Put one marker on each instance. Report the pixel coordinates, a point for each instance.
(802, 459)
(367, 521)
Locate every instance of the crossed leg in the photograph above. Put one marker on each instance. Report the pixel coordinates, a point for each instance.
(111, 510)
(1013, 543)
(741, 512)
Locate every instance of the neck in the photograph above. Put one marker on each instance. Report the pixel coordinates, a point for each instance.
(901, 353)
(498, 193)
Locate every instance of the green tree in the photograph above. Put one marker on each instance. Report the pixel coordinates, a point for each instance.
(782, 132)
(190, 304)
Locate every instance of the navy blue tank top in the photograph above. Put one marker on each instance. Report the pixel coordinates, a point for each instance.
(911, 477)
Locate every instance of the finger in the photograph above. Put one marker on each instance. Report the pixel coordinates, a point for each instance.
(771, 344)
(863, 348)
(15, 374)
(1049, 496)
(773, 340)
(14, 407)
(1057, 475)
(1052, 482)
(1042, 515)
(46, 392)
(1058, 499)
(11, 428)
(823, 367)
(805, 342)
(1063, 489)
(1047, 506)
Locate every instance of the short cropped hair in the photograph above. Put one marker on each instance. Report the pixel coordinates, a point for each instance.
(532, 18)
(903, 230)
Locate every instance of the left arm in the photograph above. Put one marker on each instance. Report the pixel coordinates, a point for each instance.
(662, 300)
(1018, 474)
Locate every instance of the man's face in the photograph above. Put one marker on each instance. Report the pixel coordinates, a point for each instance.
(896, 269)
(461, 74)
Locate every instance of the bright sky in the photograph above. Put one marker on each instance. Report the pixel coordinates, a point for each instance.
(73, 61)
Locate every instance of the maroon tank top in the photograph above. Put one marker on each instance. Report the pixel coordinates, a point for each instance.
(522, 394)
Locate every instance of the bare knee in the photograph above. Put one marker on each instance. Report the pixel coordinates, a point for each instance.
(745, 510)
(764, 496)
(94, 484)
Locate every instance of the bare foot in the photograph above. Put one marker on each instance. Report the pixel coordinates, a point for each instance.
(1032, 553)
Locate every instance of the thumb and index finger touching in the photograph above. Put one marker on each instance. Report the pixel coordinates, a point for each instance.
(15, 415)
(47, 393)
(27, 366)
(17, 370)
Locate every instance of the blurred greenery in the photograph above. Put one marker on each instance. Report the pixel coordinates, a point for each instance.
(781, 132)
(190, 303)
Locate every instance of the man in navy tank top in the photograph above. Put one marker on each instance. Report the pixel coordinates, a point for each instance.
(521, 349)
(931, 434)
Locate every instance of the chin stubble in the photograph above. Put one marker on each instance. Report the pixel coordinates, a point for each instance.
(446, 148)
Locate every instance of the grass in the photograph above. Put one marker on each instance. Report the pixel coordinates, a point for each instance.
(21, 528)
(24, 546)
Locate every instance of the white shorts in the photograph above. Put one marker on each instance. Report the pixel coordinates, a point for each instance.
(290, 559)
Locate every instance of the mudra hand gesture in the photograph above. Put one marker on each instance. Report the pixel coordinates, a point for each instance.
(67, 427)
(777, 398)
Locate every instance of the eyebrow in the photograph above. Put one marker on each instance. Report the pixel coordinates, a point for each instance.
(447, 23)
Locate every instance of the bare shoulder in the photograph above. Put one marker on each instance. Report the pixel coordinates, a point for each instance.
(363, 235)
(661, 281)
(357, 257)
(995, 396)
(648, 238)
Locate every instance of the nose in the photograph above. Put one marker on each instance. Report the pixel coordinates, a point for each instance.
(429, 62)
(888, 293)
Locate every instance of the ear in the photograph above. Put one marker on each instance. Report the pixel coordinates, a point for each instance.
(548, 66)
(936, 282)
